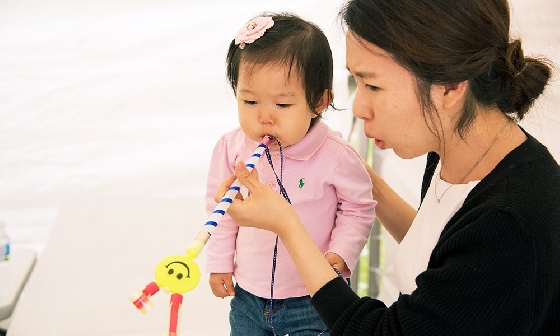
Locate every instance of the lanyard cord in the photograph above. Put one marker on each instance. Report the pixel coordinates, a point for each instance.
(285, 194)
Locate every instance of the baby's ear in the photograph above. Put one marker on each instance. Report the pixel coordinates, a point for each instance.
(325, 101)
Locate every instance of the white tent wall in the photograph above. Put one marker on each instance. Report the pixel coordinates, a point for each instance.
(117, 99)
(125, 99)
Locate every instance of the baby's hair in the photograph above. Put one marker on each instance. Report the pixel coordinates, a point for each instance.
(299, 45)
(447, 42)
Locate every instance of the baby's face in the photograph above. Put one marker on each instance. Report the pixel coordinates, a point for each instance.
(271, 103)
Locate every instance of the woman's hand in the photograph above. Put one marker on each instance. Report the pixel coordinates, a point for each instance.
(394, 213)
(263, 208)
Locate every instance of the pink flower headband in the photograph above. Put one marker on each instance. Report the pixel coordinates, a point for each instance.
(253, 30)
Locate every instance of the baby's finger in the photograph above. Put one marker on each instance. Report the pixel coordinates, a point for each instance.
(338, 266)
(219, 290)
(230, 289)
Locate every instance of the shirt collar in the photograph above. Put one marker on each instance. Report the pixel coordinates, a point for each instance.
(305, 148)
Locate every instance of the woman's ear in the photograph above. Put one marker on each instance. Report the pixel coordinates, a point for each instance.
(453, 94)
(449, 99)
(324, 102)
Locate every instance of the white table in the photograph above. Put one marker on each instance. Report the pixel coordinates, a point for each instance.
(21, 265)
(99, 254)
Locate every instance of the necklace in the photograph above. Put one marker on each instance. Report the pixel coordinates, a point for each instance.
(438, 199)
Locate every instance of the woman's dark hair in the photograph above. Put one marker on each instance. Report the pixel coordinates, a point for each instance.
(296, 43)
(448, 42)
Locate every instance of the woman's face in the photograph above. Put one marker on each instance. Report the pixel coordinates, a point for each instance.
(387, 101)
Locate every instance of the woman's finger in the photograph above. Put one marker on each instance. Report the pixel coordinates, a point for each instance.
(246, 177)
(224, 187)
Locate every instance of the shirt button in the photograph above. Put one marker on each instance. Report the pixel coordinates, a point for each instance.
(270, 184)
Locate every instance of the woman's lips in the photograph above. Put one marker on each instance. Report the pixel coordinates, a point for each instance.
(380, 143)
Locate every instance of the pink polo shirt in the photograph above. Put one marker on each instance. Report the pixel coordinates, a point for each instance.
(330, 190)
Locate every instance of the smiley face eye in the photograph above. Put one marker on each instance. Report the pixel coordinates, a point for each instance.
(179, 276)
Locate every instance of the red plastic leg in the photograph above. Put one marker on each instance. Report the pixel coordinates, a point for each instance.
(175, 306)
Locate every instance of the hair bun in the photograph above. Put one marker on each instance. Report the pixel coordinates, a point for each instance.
(529, 77)
(515, 58)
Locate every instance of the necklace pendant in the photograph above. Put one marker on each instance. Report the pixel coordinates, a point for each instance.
(437, 200)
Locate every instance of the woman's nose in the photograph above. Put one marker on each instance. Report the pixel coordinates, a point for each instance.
(360, 109)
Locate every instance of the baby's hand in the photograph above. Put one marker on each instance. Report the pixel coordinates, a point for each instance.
(222, 284)
(335, 261)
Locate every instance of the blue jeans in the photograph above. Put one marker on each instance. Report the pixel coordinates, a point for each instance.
(250, 315)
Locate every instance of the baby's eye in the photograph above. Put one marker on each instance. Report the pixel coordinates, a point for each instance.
(284, 105)
(250, 102)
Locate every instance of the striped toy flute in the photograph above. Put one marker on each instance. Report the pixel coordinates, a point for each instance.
(204, 234)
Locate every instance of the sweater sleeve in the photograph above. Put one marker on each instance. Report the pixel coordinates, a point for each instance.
(356, 208)
(481, 280)
(221, 247)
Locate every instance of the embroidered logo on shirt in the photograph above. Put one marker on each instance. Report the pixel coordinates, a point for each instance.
(301, 182)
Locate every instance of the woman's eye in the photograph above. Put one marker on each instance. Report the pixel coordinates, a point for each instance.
(372, 87)
(250, 102)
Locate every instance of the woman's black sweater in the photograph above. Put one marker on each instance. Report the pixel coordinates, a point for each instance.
(494, 271)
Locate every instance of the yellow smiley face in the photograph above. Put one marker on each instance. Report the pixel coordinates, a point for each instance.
(177, 274)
